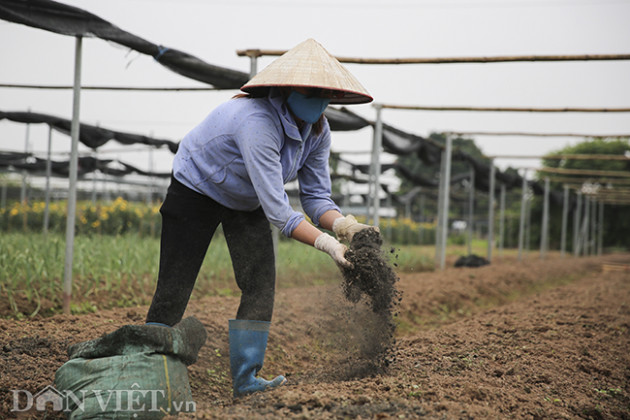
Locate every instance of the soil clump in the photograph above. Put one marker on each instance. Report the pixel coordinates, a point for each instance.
(371, 281)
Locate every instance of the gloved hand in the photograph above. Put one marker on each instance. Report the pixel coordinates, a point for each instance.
(346, 227)
(334, 248)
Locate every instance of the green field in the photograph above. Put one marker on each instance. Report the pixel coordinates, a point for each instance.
(119, 271)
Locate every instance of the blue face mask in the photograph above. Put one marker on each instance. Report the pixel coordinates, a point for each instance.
(307, 108)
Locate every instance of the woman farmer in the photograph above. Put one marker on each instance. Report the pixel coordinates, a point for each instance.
(231, 170)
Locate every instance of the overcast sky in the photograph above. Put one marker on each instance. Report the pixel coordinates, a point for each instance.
(214, 30)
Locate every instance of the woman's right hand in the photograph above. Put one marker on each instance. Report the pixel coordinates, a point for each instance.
(334, 248)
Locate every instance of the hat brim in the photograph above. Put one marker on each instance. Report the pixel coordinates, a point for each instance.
(349, 97)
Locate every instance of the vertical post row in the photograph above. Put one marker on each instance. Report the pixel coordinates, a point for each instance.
(502, 220)
(593, 236)
(440, 211)
(491, 211)
(545, 222)
(565, 217)
(576, 224)
(72, 193)
(521, 227)
(376, 161)
(23, 195)
(600, 239)
(48, 175)
(471, 208)
(445, 199)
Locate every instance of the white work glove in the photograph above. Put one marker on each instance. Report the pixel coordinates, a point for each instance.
(334, 248)
(346, 227)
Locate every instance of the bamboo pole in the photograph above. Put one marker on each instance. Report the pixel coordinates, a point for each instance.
(600, 190)
(451, 60)
(612, 202)
(589, 179)
(499, 109)
(527, 134)
(624, 174)
(123, 88)
(565, 156)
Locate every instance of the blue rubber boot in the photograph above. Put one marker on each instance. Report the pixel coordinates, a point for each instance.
(248, 342)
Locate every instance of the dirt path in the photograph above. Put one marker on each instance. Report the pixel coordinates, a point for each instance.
(537, 339)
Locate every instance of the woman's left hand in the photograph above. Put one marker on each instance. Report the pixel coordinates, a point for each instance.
(346, 227)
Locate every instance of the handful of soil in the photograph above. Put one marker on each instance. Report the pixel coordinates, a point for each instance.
(371, 274)
(373, 279)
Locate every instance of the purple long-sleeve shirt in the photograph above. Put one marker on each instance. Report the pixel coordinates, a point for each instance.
(243, 153)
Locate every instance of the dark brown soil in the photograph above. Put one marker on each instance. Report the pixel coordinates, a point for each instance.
(371, 282)
(535, 339)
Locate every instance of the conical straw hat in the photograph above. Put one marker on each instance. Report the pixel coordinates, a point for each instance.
(310, 65)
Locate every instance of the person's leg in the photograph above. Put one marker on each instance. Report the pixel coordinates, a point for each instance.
(189, 220)
(249, 240)
(251, 247)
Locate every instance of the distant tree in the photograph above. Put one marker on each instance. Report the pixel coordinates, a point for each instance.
(593, 147)
(616, 217)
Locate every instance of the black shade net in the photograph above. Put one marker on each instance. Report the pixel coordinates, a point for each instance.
(68, 20)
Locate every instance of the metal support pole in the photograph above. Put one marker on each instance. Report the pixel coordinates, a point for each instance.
(502, 220)
(440, 202)
(94, 178)
(388, 232)
(48, 174)
(253, 65)
(600, 237)
(445, 199)
(491, 211)
(421, 218)
(528, 225)
(376, 162)
(521, 229)
(544, 234)
(72, 192)
(471, 208)
(152, 178)
(593, 236)
(584, 236)
(408, 217)
(565, 217)
(24, 172)
(577, 216)
(3, 196)
(346, 194)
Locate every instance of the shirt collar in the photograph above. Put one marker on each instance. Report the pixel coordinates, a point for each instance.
(288, 123)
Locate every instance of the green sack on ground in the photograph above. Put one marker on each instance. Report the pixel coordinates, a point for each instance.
(147, 385)
(136, 372)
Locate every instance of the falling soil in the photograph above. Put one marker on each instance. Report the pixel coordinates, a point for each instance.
(371, 281)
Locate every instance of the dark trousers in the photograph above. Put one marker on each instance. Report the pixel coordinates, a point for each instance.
(189, 220)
